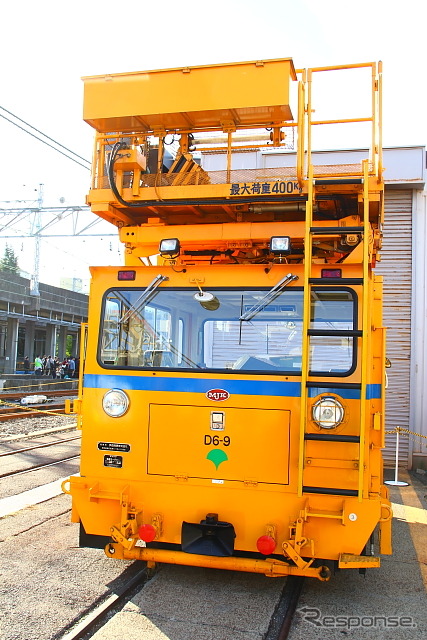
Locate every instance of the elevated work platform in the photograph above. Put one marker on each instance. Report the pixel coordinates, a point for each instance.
(154, 130)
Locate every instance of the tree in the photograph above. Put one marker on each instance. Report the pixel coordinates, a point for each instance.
(9, 262)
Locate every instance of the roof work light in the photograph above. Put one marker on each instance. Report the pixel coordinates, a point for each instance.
(280, 245)
(169, 247)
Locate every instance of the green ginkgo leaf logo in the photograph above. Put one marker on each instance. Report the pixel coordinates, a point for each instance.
(217, 456)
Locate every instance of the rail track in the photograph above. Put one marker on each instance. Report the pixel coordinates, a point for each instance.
(10, 409)
(281, 621)
(10, 413)
(99, 615)
(279, 628)
(10, 395)
(13, 474)
(38, 446)
(38, 466)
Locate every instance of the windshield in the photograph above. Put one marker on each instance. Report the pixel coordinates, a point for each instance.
(178, 330)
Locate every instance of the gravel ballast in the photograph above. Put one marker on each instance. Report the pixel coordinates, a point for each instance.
(31, 426)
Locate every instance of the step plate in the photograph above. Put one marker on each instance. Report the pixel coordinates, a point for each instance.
(350, 561)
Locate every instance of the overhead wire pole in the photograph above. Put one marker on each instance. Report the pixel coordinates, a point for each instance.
(41, 223)
(34, 290)
(76, 216)
(37, 229)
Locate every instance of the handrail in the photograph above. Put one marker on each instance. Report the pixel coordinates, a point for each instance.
(305, 346)
(375, 118)
(301, 132)
(365, 333)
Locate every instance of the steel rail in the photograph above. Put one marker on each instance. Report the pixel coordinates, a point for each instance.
(10, 474)
(12, 406)
(38, 446)
(5, 416)
(9, 395)
(97, 615)
(278, 630)
(281, 620)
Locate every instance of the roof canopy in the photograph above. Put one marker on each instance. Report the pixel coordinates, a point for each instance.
(236, 94)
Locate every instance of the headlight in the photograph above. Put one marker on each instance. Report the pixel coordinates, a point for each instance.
(115, 403)
(328, 413)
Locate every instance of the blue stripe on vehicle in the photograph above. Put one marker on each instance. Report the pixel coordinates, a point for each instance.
(373, 391)
(347, 394)
(235, 387)
(194, 385)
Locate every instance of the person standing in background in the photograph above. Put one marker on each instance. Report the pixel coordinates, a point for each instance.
(52, 367)
(38, 366)
(71, 367)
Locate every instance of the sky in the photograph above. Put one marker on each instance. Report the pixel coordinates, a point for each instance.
(47, 46)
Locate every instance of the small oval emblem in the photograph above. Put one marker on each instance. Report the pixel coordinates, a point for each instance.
(217, 394)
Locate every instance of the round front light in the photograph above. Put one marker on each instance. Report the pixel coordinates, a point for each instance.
(115, 403)
(328, 413)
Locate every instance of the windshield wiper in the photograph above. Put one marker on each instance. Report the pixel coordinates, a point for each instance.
(269, 297)
(147, 295)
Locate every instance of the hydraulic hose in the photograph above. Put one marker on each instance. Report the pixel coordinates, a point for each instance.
(149, 203)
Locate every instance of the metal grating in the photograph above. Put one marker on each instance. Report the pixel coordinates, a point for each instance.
(241, 176)
(331, 170)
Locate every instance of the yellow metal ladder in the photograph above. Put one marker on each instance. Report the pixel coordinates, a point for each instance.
(362, 334)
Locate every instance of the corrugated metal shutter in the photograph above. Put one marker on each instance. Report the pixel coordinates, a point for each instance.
(232, 341)
(396, 267)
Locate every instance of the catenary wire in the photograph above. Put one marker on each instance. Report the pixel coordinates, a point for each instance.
(44, 142)
(45, 135)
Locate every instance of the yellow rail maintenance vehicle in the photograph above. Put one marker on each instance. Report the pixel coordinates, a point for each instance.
(232, 396)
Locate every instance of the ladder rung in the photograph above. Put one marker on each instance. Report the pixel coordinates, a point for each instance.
(330, 491)
(333, 385)
(329, 437)
(342, 281)
(326, 181)
(330, 231)
(346, 333)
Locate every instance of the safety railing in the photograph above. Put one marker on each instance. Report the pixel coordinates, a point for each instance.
(306, 121)
(230, 143)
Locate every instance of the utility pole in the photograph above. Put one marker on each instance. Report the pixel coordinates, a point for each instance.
(34, 289)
